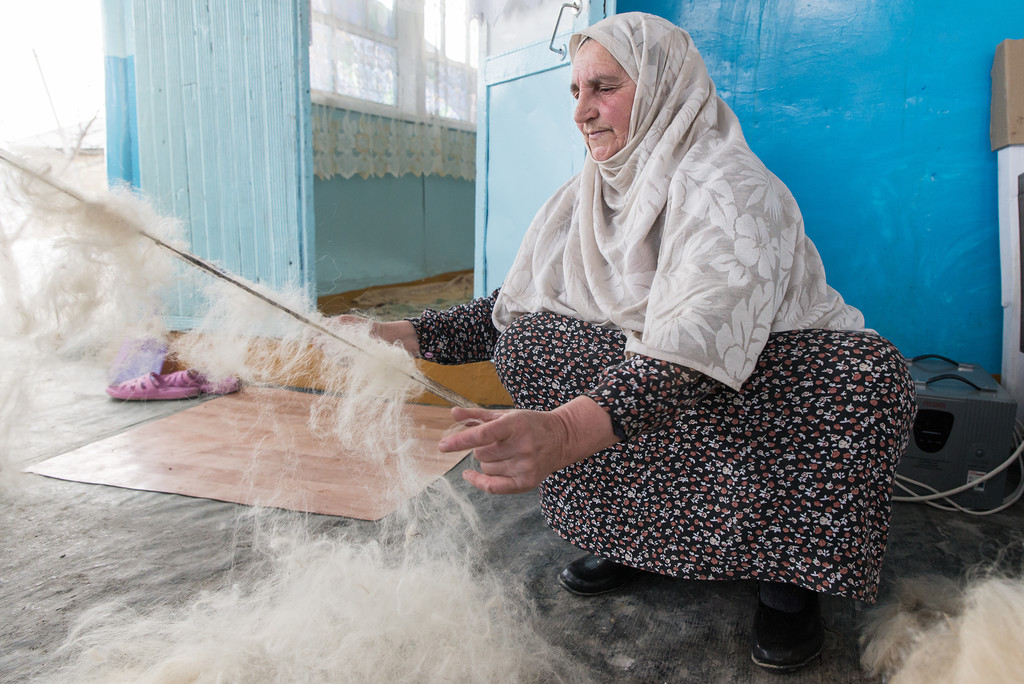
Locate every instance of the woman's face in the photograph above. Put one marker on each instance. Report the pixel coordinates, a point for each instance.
(604, 100)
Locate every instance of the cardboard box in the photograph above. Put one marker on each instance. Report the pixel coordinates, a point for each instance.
(1007, 126)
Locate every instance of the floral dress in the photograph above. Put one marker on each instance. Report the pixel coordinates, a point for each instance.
(788, 479)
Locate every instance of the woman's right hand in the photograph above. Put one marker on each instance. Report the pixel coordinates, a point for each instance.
(388, 331)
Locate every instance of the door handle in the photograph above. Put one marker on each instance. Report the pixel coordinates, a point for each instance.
(563, 50)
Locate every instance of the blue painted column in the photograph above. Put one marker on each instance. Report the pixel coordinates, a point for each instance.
(121, 108)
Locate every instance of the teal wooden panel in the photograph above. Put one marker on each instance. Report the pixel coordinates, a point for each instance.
(224, 137)
(447, 224)
(384, 230)
(119, 93)
(366, 237)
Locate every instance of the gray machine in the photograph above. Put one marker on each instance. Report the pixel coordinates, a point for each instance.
(963, 430)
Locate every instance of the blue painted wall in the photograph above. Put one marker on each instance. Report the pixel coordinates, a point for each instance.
(376, 231)
(381, 230)
(119, 83)
(221, 95)
(876, 115)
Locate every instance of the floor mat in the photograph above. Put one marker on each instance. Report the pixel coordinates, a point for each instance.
(255, 447)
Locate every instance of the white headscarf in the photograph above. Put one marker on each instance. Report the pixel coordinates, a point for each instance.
(682, 239)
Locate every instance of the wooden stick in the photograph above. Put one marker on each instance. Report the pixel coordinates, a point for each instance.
(429, 384)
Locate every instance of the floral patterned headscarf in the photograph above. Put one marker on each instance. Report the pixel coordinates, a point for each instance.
(683, 239)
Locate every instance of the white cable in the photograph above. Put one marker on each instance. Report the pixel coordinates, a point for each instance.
(970, 485)
(930, 499)
(953, 506)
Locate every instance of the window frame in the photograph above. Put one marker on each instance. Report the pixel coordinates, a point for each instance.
(410, 100)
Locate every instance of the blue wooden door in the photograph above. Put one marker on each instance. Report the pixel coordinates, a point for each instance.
(527, 143)
(224, 140)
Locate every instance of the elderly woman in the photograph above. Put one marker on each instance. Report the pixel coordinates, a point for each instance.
(692, 398)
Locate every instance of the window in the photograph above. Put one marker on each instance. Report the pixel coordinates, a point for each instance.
(452, 37)
(414, 60)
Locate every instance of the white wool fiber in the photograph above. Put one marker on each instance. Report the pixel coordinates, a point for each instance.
(404, 600)
(937, 632)
(375, 379)
(76, 279)
(15, 406)
(79, 277)
(361, 407)
(323, 609)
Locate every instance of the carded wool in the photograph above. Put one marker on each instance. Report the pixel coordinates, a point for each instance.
(323, 609)
(937, 631)
(410, 601)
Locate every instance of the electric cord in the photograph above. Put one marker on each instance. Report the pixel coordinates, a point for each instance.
(905, 484)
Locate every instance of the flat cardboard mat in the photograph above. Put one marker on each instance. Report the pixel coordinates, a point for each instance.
(255, 447)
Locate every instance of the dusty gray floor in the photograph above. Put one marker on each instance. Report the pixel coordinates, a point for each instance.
(67, 546)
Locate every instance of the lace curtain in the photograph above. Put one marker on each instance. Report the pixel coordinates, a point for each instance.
(394, 88)
(347, 143)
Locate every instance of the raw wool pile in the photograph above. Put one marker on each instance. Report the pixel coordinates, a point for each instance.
(937, 631)
(410, 604)
(328, 611)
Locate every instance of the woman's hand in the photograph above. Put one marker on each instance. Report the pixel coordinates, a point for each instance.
(517, 449)
(389, 331)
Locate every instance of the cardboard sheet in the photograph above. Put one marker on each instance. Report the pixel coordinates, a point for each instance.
(255, 447)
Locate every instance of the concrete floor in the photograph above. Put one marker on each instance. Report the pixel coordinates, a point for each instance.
(68, 546)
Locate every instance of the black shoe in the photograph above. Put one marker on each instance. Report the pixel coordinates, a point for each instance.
(591, 575)
(784, 642)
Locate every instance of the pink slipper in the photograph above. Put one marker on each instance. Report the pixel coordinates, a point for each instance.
(178, 385)
(151, 386)
(223, 386)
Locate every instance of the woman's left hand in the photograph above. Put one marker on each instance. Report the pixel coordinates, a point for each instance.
(517, 449)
